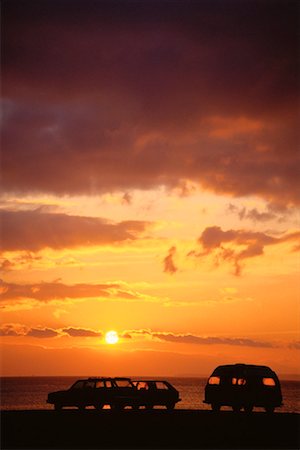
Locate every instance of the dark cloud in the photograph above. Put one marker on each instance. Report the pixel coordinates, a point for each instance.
(35, 230)
(6, 265)
(81, 332)
(45, 292)
(252, 214)
(269, 214)
(198, 340)
(126, 336)
(11, 330)
(169, 265)
(223, 245)
(120, 94)
(190, 339)
(42, 333)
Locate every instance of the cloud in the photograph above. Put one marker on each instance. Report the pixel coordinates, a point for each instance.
(81, 332)
(36, 230)
(21, 330)
(15, 330)
(12, 330)
(169, 265)
(27, 296)
(236, 246)
(21, 260)
(45, 292)
(295, 345)
(42, 333)
(253, 214)
(199, 340)
(165, 94)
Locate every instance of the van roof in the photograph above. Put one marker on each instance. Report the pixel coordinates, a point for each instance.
(243, 368)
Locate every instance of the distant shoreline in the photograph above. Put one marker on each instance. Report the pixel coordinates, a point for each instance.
(156, 429)
(283, 377)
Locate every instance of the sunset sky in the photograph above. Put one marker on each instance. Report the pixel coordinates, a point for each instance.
(150, 185)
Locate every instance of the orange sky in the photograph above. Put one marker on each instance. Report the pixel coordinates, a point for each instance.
(150, 187)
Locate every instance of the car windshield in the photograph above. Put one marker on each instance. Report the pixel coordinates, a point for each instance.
(78, 385)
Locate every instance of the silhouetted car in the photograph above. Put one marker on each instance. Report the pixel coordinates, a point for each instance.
(156, 393)
(243, 386)
(97, 392)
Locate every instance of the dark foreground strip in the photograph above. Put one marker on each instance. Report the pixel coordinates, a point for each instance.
(158, 429)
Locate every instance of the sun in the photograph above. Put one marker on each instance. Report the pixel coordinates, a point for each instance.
(111, 337)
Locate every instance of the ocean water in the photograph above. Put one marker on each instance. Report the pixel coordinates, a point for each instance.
(20, 393)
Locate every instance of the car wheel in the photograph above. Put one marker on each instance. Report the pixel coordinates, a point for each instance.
(248, 408)
(98, 406)
(215, 407)
(269, 409)
(117, 407)
(170, 405)
(57, 406)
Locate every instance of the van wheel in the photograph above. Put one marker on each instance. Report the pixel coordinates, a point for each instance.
(269, 409)
(236, 408)
(215, 407)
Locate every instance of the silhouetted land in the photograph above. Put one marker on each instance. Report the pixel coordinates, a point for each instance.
(157, 429)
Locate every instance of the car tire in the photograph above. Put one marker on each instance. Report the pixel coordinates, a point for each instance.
(269, 409)
(117, 407)
(215, 407)
(170, 405)
(98, 406)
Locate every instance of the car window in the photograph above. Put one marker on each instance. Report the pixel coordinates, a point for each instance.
(78, 385)
(90, 384)
(109, 383)
(142, 385)
(100, 384)
(161, 385)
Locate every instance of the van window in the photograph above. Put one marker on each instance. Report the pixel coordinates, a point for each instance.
(123, 383)
(239, 381)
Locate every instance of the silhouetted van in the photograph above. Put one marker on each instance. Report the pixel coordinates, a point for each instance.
(156, 393)
(243, 386)
(115, 392)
